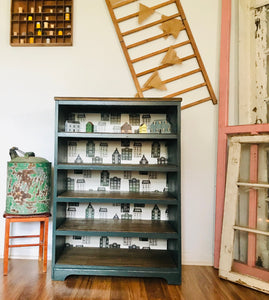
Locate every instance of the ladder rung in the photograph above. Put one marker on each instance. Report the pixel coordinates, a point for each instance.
(156, 37)
(153, 7)
(25, 245)
(149, 25)
(24, 236)
(162, 66)
(186, 90)
(159, 51)
(254, 185)
(132, 29)
(195, 103)
(246, 229)
(176, 78)
(122, 3)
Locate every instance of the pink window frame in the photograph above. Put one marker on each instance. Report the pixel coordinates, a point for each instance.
(224, 130)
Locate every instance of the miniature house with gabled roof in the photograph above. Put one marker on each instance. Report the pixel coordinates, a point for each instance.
(116, 217)
(116, 157)
(160, 126)
(72, 126)
(78, 160)
(143, 160)
(126, 128)
(143, 128)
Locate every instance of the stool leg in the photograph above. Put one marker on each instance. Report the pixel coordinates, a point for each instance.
(45, 245)
(6, 246)
(41, 240)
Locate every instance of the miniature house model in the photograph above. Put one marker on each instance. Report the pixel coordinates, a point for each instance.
(126, 128)
(116, 157)
(72, 126)
(160, 126)
(143, 128)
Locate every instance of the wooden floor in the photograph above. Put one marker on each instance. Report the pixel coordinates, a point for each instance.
(25, 281)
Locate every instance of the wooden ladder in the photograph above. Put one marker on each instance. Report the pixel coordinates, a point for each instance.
(194, 89)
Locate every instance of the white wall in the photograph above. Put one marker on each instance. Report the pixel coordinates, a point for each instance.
(30, 77)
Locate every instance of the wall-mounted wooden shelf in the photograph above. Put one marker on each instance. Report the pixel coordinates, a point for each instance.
(41, 23)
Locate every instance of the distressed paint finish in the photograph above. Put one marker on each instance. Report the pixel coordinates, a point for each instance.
(260, 105)
(252, 62)
(226, 267)
(229, 216)
(28, 188)
(253, 201)
(246, 63)
(258, 3)
(246, 93)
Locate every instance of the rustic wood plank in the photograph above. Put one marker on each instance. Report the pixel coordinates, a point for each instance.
(116, 257)
(154, 196)
(198, 282)
(120, 99)
(119, 226)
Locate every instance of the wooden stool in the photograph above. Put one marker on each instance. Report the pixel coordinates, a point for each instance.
(43, 236)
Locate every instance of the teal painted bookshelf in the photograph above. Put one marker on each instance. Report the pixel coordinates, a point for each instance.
(116, 208)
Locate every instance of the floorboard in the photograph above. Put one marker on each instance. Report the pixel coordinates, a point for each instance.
(26, 281)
